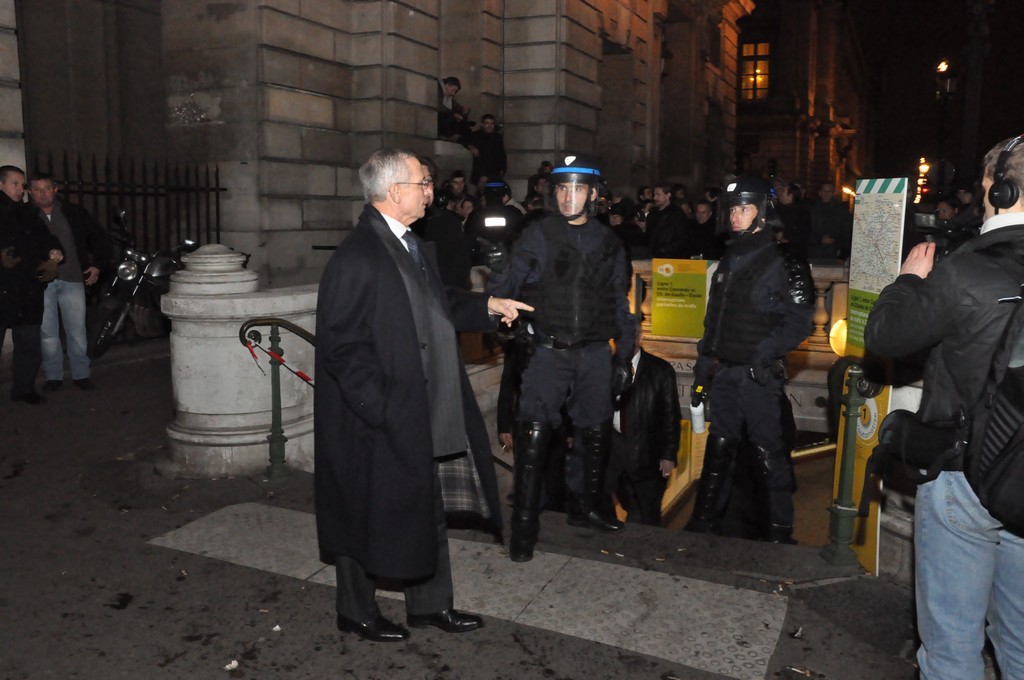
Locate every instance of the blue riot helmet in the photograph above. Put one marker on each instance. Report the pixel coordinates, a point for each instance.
(744, 206)
(494, 193)
(573, 187)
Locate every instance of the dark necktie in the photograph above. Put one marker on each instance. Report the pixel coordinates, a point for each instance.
(414, 248)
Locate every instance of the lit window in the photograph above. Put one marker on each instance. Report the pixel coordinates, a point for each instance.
(754, 71)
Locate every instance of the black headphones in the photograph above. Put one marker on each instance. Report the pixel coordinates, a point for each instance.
(1004, 194)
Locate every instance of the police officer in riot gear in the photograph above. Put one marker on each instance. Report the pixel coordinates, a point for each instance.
(573, 270)
(760, 307)
(493, 223)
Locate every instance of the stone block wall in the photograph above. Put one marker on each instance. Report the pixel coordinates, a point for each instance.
(289, 97)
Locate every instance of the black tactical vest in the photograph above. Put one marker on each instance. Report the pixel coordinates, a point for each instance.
(738, 328)
(575, 298)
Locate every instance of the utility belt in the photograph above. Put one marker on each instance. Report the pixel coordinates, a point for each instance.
(731, 364)
(541, 339)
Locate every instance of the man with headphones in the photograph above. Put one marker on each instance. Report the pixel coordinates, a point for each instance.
(969, 569)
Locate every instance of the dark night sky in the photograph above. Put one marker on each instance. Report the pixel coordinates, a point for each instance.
(904, 41)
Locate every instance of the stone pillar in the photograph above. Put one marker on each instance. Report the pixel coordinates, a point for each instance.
(222, 400)
(531, 84)
(12, 124)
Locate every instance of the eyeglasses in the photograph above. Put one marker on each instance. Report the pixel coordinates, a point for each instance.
(425, 184)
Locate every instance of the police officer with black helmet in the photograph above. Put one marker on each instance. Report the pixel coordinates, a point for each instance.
(573, 270)
(760, 308)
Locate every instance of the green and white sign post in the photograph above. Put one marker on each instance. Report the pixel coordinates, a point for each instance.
(875, 252)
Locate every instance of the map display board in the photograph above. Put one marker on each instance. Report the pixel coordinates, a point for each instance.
(678, 297)
(875, 252)
(878, 218)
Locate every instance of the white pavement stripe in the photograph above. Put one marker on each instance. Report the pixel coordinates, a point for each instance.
(722, 629)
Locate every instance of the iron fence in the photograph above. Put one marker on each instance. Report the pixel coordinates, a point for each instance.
(165, 201)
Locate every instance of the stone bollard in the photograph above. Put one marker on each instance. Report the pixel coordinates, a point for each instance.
(222, 400)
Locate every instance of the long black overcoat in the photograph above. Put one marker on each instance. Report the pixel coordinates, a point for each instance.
(374, 471)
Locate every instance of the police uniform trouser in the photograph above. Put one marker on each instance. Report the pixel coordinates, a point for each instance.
(581, 380)
(739, 406)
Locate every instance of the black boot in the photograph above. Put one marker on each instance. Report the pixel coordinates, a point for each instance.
(596, 441)
(531, 446)
(775, 475)
(778, 533)
(710, 504)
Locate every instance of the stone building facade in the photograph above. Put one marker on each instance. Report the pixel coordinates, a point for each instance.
(803, 110)
(287, 97)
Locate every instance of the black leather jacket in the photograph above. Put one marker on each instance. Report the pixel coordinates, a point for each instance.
(650, 414)
(955, 312)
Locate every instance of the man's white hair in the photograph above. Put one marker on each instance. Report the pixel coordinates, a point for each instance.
(382, 169)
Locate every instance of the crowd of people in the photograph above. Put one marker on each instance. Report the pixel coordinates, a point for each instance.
(589, 415)
(52, 250)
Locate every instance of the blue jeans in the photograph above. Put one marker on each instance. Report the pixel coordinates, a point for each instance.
(968, 569)
(69, 299)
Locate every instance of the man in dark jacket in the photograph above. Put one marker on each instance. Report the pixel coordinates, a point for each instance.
(30, 255)
(443, 228)
(87, 250)
(831, 226)
(666, 226)
(645, 438)
(969, 569)
(488, 149)
(760, 308)
(394, 411)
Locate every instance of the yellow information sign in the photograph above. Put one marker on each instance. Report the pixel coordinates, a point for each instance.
(679, 297)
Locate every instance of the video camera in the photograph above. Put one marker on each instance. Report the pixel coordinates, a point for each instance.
(948, 235)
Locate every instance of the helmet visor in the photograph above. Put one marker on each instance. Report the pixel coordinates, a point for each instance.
(570, 197)
(741, 212)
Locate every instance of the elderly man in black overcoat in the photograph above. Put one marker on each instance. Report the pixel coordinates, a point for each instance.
(394, 411)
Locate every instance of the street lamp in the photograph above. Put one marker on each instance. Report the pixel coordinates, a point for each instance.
(945, 81)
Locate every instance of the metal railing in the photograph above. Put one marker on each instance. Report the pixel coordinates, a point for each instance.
(251, 339)
(166, 202)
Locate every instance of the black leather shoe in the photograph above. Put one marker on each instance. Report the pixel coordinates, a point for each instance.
(30, 398)
(52, 385)
(448, 620)
(377, 630)
(598, 521)
(594, 520)
(85, 384)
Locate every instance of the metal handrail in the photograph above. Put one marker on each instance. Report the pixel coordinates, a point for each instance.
(250, 338)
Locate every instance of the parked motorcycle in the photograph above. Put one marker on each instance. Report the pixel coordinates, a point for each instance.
(133, 293)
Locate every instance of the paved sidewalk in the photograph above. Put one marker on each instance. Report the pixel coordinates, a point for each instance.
(111, 571)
